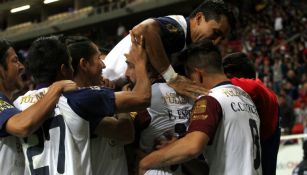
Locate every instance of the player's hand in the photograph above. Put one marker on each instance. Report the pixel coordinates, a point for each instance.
(137, 54)
(63, 86)
(107, 83)
(185, 86)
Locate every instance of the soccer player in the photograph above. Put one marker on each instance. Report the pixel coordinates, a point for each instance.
(170, 34)
(62, 144)
(166, 117)
(241, 71)
(224, 125)
(14, 123)
(107, 147)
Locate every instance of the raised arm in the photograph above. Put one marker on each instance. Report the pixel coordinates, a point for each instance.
(154, 47)
(139, 97)
(26, 122)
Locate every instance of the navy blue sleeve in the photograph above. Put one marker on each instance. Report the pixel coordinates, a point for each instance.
(172, 35)
(7, 110)
(92, 104)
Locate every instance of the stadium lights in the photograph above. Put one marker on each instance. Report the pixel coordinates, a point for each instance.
(49, 1)
(21, 8)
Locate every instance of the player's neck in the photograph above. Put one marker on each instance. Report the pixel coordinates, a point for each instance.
(6, 91)
(209, 81)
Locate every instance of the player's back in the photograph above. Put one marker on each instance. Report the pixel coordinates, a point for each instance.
(167, 110)
(235, 147)
(62, 144)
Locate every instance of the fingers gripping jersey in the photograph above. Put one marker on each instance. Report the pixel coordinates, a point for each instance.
(236, 144)
(167, 110)
(61, 145)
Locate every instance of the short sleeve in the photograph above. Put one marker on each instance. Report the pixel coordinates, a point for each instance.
(206, 116)
(172, 34)
(7, 110)
(92, 104)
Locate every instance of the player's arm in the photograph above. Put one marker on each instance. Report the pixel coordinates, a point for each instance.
(139, 97)
(150, 29)
(119, 128)
(180, 151)
(26, 122)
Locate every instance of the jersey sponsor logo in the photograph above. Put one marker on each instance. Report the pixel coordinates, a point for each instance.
(200, 106)
(199, 117)
(33, 98)
(173, 98)
(243, 107)
(5, 105)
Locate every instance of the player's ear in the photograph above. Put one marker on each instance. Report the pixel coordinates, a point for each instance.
(199, 17)
(83, 64)
(66, 72)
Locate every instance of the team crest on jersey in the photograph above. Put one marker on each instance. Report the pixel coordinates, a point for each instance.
(171, 28)
(5, 105)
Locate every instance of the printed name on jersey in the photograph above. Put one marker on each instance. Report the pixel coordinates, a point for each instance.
(243, 107)
(173, 98)
(233, 92)
(32, 98)
(181, 113)
(5, 105)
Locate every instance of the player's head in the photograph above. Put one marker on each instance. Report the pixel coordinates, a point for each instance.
(86, 59)
(212, 20)
(49, 60)
(202, 57)
(11, 69)
(238, 65)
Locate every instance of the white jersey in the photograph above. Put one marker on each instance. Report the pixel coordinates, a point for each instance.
(62, 144)
(108, 157)
(11, 156)
(236, 144)
(115, 61)
(167, 109)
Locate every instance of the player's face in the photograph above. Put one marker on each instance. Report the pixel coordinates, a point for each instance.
(130, 73)
(12, 76)
(95, 66)
(212, 29)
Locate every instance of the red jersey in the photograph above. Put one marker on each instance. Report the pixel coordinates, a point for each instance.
(265, 101)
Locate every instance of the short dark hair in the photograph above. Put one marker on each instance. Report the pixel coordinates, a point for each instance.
(203, 55)
(79, 47)
(4, 46)
(239, 65)
(214, 10)
(45, 57)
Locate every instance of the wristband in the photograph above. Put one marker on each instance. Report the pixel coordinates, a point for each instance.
(169, 74)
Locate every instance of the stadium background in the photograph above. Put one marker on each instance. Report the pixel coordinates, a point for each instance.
(272, 32)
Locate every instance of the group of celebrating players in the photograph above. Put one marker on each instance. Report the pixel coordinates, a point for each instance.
(197, 113)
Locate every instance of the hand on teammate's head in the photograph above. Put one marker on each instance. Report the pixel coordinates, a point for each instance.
(187, 87)
(137, 53)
